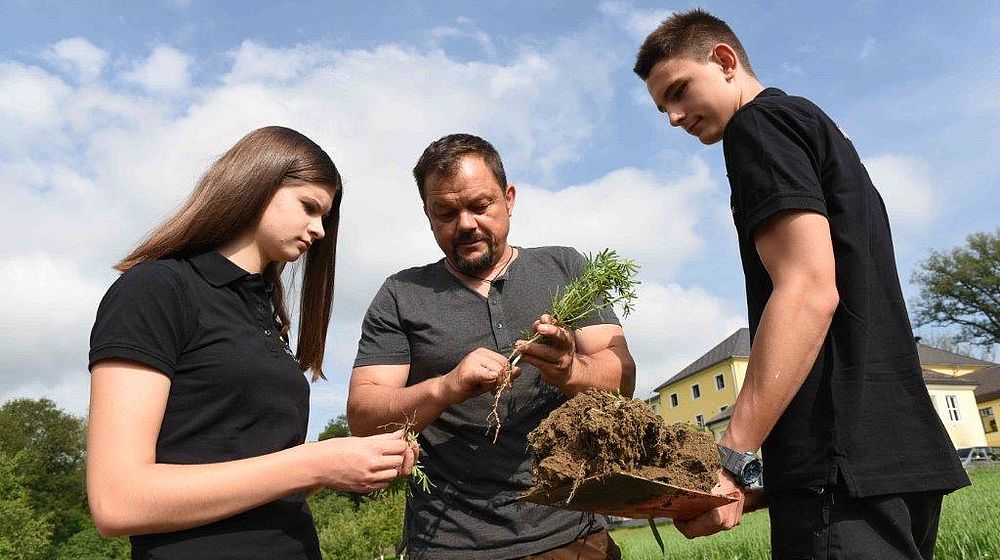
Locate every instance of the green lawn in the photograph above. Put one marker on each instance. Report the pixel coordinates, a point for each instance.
(970, 529)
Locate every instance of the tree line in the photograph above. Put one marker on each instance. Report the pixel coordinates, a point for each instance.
(43, 496)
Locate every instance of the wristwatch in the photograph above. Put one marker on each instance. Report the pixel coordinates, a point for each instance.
(744, 465)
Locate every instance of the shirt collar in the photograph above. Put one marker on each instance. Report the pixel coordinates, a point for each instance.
(770, 92)
(216, 269)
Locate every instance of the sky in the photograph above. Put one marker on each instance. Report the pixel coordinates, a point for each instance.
(111, 111)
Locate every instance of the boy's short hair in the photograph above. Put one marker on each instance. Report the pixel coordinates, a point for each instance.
(691, 35)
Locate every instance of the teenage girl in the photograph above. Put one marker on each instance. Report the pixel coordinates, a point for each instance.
(198, 407)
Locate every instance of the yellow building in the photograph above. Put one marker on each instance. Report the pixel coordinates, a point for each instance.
(954, 400)
(988, 401)
(709, 385)
(702, 392)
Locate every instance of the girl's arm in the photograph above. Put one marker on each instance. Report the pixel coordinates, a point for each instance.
(131, 494)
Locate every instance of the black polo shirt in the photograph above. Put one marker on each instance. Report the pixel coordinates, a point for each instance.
(235, 392)
(863, 414)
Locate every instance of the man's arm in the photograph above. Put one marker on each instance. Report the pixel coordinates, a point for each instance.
(379, 400)
(594, 356)
(796, 249)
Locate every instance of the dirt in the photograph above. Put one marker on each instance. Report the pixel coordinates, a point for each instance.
(598, 432)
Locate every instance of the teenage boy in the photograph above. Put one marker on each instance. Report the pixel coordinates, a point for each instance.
(856, 459)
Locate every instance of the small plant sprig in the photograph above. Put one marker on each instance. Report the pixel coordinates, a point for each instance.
(416, 473)
(607, 280)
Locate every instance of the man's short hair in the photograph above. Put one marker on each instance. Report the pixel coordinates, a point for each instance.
(444, 154)
(691, 35)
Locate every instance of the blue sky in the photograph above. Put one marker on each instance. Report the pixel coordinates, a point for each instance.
(111, 111)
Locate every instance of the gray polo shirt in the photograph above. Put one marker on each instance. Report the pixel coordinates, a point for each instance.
(427, 318)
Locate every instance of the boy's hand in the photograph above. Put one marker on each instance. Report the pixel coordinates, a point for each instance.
(721, 518)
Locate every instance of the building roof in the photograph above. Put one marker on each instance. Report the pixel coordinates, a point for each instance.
(989, 383)
(724, 415)
(931, 355)
(935, 378)
(738, 344)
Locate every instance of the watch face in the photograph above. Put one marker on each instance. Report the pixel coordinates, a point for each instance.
(751, 472)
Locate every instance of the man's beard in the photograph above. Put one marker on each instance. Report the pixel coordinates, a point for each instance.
(477, 265)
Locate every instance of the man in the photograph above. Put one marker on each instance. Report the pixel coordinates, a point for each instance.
(433, 344)
(856, 459)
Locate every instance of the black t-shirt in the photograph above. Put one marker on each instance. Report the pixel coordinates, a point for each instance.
(235, 392)
(863, 414)
(427, 318)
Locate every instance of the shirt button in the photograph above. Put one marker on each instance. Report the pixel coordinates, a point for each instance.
(499, 325)
(267, 332)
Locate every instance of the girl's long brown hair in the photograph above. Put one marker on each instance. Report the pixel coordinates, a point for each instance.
(230, 199)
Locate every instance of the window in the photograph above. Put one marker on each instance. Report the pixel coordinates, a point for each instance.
(720, 382)
(700, 420)
(673, 400)
(695, 391)
(951, 402)
(724, 408)
(989, 419)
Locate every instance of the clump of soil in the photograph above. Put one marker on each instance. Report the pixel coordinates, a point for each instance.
(598, 432)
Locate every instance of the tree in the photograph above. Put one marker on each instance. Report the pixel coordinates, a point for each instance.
(88, 544)
(961, 288)
(24, 534)
(336, 427)
(370, 531)
(50, 446)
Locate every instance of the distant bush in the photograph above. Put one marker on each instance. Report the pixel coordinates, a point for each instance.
(373, 529)
(24, 534)
(88, 544)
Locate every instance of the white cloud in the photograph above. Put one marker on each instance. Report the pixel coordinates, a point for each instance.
(130, 158)
(906, 186)
(80, 56)
(636, 22)
(641, 215)
(465, 28)
(52, 304)
(671, 327)
(166, 70)
(792, 68)
(254, 62)
(868, 48)
(30, 100)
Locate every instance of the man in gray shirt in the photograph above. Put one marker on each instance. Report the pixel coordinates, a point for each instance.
(432, 346)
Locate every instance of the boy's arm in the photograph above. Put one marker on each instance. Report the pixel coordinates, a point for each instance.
(797, 251)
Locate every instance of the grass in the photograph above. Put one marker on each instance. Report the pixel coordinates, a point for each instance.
(969, 530)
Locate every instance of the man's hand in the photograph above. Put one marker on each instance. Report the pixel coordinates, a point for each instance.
(555, 355)
(476, 374)
(721, 518)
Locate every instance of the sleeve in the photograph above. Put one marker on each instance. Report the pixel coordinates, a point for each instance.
(383, 341)
(773, 166)
(145, 317)
(575, 263)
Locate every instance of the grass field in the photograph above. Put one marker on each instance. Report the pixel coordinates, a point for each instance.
(969, 530)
